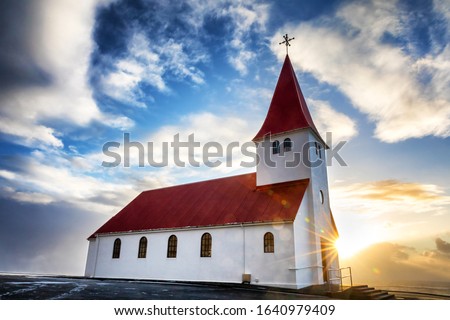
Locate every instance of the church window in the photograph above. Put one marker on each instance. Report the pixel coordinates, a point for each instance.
(318, 149)
(276, 147)
(142, 253)
(172, 247)
(287, 144)
(321, 197)
(269, 246)
(116, 249)
(206, 244)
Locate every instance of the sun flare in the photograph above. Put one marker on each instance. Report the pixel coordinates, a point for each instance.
(346, 249)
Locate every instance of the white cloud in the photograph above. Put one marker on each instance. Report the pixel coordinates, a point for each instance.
(380, 79)
(30, 134)
(7, 174)
(42, 183)
(114, 121)
(54, 175)
(388, 196)
(32, 197)
(329, 120)
(141, 65)
(62, 45)
(181, 64)
(206, 128)
(246, 16)
(149, 63)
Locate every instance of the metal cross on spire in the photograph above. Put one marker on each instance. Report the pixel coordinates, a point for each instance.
(286, 41)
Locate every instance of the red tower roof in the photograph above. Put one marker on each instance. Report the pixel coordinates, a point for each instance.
(232, 200)
(288, 110)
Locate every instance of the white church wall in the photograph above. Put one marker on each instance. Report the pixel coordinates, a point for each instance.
(227, 263)
(308, 263)
(279, 172)
(271, 268)
(321, 206)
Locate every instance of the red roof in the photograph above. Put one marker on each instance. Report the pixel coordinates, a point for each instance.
(288, 110)
(231, 200)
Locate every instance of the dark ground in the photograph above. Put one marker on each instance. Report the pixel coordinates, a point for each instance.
(23, 287)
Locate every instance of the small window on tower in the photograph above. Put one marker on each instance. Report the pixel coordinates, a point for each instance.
(322, 199)
(287, 144)
(276, 147)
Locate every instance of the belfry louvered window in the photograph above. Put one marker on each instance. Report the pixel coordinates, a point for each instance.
(287, 144)
(276, 147)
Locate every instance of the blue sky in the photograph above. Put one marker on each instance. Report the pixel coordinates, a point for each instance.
(75, 75)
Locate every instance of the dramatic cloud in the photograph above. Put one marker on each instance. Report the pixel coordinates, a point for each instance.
(443, 246)
(146, 64)
(58, 45)
(35, 181)
(359, 51)
(392, 190)
(329, 120)
(390, 195)
(246, 18)
(389, 263)
(171, 46)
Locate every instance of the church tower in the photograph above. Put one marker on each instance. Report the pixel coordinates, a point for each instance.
(290, 148)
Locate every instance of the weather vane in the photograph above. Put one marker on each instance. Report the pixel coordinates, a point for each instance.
(286, 41)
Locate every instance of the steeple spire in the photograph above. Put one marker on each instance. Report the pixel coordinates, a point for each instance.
(288, 110)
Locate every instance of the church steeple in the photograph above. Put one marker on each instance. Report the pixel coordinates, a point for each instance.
(288, 144)
(288, 110)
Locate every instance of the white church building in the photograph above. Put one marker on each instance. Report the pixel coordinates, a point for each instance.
(272, 227)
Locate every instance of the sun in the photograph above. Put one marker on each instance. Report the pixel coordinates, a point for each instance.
(345, 249)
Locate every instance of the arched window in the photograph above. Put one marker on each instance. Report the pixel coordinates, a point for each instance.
(206, 244)
(322, 198)
(116, 249)
(269, 246)
(318, 149)
(142, 253)
(276, 147)
(172, 247)
(287, 144)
